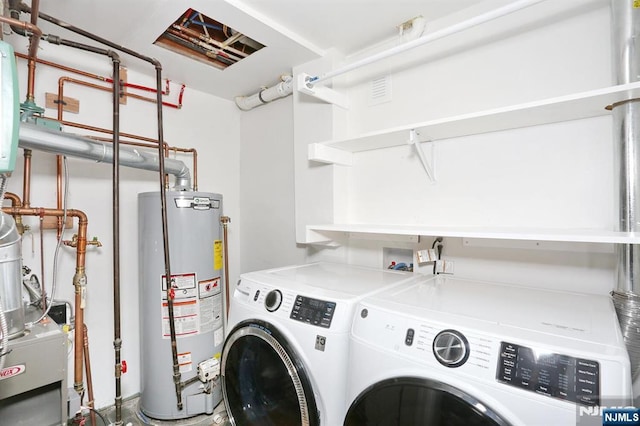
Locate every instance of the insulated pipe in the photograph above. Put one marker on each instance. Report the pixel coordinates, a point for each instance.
(55, 142)
(625, 26)
(264, 96)
(461, 26)
(79, 279)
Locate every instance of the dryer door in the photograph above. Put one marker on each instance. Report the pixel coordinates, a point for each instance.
(264, 382)
(409, 401)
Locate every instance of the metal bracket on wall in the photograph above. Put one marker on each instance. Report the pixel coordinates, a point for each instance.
(305, 85)
(429, 166)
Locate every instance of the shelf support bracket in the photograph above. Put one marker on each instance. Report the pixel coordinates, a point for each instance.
(305, 85)
(429, 166)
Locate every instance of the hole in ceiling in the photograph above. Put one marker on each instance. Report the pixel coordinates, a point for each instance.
(206, 40)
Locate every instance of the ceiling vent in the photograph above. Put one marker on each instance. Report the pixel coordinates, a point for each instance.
(206, 40)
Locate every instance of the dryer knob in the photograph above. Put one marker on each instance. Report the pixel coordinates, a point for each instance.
(273, 300)
(451, 348)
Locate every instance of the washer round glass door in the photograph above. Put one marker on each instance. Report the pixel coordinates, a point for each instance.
(264, 382)
(409, 401)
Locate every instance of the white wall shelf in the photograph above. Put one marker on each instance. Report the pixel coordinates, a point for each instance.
(318, 233)
(554, 110)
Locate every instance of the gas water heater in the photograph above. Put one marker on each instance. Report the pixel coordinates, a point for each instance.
(195, 249)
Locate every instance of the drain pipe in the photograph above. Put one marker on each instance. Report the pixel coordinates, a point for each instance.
(161, 165)
(280, 90)
(625, 26)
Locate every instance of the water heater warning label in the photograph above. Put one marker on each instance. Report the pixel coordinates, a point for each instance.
(197, 305)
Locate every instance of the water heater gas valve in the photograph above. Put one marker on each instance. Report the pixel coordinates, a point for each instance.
(208, 369)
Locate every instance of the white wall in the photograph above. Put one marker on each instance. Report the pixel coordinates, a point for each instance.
(553, 176)
(267, 189)
(207, 123)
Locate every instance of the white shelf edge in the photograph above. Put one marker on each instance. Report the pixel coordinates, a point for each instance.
(564, 108)
(561, 235)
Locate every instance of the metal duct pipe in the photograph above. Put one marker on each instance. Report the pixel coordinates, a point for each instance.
(625, 27)
(54, 142)
(280, 90)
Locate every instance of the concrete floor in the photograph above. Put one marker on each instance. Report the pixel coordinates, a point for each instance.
(131, 416)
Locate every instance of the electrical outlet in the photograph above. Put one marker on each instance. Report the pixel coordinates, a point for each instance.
(425, 256)
(444, 266)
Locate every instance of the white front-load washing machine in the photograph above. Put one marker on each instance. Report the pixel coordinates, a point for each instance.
(284, 361)
(447, 351)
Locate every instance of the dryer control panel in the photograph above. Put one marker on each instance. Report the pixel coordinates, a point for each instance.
(555, 375)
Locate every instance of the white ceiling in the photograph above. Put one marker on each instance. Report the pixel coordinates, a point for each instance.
(294, 32)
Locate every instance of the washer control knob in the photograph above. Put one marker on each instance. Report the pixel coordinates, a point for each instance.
(451, 348)
(273, 300)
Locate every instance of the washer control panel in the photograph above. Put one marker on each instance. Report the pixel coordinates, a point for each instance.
(555, 375)
(313, 311)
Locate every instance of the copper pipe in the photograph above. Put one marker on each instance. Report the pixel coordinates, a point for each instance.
(145, 88)
(87, 369)
(43, 289)
(109, 80)
(125, 142)
(103, 130)
(62, 67)
(26, 180)
(15, 202)
(33, 51)
(95, 76)
(59, 193)
(79, 279)
(61, 81)
(36, 33)
(15, 199)
(225, 220)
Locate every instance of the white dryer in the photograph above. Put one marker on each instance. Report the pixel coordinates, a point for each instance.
(447, 351)
(284, 361)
